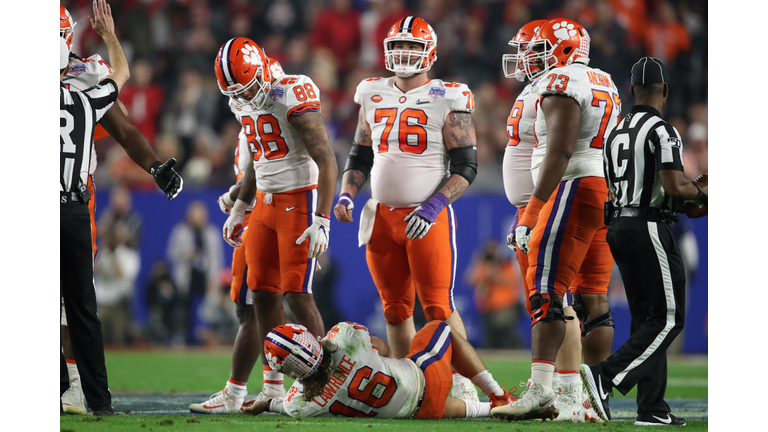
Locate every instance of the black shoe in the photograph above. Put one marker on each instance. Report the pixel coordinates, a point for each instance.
(103, 411)
(598, 388)
(658, 419)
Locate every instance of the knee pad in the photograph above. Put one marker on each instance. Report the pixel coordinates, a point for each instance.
(578, 307)
(544, 308)
(395, 314)
(435, 313)
(605, 319)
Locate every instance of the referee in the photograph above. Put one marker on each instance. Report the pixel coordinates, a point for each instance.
(644, 170)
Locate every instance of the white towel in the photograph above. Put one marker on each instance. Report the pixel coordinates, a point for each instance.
(367, 218)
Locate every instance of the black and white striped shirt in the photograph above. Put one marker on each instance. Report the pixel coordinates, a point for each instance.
(635, 151)
(79, 114)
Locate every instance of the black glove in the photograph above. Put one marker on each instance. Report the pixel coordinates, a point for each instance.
(167, 178)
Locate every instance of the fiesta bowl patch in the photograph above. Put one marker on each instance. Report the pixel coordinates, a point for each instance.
(76, 70)
(436, 92)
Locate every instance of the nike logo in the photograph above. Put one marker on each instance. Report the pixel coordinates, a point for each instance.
(213, 406)
(290, 208)
(542, 405)
(603, 396)
(667, 420)
(422, 102)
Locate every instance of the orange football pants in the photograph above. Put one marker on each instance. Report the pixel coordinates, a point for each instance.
(568, 246)
(239, 288)
(276, 262)
(403, 268)
(431, 351)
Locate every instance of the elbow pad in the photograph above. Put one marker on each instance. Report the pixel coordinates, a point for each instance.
(360, 158)
(464, 162)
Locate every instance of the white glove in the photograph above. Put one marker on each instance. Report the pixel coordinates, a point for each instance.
(233, 227)
(417, 227)
(522, 237)
(511, 241)
(225, 202)
(319, 234)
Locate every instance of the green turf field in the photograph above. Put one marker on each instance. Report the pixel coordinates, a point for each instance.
(152, 390)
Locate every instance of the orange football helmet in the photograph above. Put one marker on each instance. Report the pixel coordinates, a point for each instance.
(405, 63)
(67, 26)
(513, 62)
(557, 43)
(240, 65)
(275, 68)
(293, 350)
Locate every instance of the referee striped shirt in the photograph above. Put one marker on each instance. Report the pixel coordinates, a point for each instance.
(79, 114)
(642, 145)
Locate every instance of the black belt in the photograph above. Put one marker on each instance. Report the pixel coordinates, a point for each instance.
(73, 197)
(653, 214)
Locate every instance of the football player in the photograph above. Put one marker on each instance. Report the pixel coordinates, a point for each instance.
(289, 227)
(518, 185)
(247, 344)
(562, 229)
(84, 73)
(415, 141)
(352, 374)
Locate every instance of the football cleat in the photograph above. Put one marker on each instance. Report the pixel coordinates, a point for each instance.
(658, 419)
(73, 400)
(590, 415)
(536, 402)
(598, 389)
(223, 402)
(465, 390)
(569, 402)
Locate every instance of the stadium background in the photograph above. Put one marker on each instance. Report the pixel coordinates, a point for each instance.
(173, 99)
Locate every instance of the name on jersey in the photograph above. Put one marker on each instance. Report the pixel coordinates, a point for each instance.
(76, 70)
(436, 92)
(600, 79)
(346, 365)
(276, 93)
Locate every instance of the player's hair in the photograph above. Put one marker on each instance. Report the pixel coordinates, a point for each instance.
(313, 385)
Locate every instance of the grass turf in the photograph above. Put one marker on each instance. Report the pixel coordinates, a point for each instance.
(159, 373)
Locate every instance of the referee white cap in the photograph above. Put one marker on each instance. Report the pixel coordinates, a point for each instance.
(63, 54)
(649, 70)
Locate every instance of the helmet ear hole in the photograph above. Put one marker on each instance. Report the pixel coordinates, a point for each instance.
(567, 50)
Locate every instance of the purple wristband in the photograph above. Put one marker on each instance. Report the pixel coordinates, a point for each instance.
(345, 196)
(432, 208)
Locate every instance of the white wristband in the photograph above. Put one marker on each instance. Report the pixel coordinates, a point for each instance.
(240, 206)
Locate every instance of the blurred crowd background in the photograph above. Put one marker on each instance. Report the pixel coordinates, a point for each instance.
(172, 97)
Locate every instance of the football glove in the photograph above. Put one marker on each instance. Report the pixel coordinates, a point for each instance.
(421, 219)
(511, 235)
(167, 178)
(522, 236)
(233, 227)
(319, 235)
(225, 203)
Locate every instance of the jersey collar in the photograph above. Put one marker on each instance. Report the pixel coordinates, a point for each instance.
(646, 108)
(392, 84)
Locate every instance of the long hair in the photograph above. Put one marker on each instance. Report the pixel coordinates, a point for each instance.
(313, 385)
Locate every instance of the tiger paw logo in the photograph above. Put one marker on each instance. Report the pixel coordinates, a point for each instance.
(274, 362)
(251, 55)
(564, 30)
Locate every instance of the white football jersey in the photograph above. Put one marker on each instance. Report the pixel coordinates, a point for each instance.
(280, 158)
(84, 74)
(410, 158)
(516, 169)
(598, 98)
(363, 384)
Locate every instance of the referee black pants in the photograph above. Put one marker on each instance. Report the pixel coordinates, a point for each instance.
(654, 279)
(77, 290)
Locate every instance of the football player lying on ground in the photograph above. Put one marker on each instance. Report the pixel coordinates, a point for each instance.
(351, 373)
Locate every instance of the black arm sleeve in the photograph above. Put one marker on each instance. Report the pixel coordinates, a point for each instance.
(464, 162)
(361, 158)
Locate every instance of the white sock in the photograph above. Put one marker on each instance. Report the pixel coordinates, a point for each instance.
(570, 381)
(74, 375)
(477, 409)
(274, 383)
(555, 379)
(541, 371)
(457, 377)
(487, 384)
(237, 388)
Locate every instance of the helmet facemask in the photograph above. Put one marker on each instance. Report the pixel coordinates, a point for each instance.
(512, 64)
(538, 58)
(238, 91)
(404, 62)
